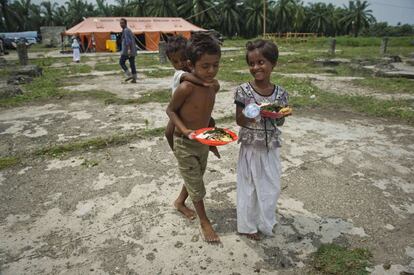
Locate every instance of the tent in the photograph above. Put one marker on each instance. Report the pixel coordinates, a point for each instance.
(95, 31)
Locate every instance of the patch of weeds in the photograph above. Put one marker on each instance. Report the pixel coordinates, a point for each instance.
(147, 60)
(155, 132)
(80, 69)
(99, 143)
(347, 70)
(161, 96)
(309, 95)
(40, 88)
(390, 85)
(335, 259)
(295, 67)
(107, 67)
(48, 61)
(157, 73)
(95, 94)
(7, 162)
(89, 163)
(4, 73)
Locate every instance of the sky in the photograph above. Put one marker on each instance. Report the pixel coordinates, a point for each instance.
(392, 12)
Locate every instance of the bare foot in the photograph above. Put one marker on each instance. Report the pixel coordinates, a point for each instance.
(252, 236)
(187, 212)
(208, 234)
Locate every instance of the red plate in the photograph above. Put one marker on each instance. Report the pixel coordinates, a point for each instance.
(270, 114)
(212, 142)
(274, 115)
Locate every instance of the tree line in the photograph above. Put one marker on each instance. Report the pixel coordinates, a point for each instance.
(230, 17)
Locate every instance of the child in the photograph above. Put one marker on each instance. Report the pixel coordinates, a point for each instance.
(190, 109)
(76, 50)
(175, 52)
(259, 167)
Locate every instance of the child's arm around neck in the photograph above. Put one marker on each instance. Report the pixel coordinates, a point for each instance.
(177, 101)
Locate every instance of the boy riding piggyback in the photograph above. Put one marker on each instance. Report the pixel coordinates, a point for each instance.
(190, 109)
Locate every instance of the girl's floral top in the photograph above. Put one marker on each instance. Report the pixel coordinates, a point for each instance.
(265, 131)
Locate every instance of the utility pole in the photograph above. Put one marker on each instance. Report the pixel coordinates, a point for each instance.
(264, 18)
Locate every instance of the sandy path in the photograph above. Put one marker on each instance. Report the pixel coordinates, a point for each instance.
(347, 179)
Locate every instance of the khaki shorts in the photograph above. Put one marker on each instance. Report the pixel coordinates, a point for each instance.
(192, 162)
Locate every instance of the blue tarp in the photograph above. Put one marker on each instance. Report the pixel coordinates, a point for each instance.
(13, 35)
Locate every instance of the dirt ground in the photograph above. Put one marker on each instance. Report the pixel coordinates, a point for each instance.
(347, 179)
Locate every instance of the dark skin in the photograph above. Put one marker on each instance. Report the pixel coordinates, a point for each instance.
(179, 62)
(190, 109)
(261, 69)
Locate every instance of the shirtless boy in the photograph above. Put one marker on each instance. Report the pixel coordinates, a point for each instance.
(190, 109)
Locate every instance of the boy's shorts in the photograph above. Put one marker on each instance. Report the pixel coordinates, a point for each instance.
(192, 162)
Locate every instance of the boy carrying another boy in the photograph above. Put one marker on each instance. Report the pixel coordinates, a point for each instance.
(190, 109)
(176, 53)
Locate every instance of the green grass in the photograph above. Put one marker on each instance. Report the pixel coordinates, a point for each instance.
(48, 61)
(41, 48)
(157, 73)
(390, 85)
(335, 259)
(400, 109)
(7, 162)
(161, 96)
(45, 87)
(235, 42)
(98, 142)
(42, 87)
(107, 67)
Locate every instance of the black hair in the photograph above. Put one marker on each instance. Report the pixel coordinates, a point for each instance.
(202, 43)
(267, 48)
(175, 44)
(123, 19)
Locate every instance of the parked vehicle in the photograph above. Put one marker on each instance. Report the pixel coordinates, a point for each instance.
(13, 37)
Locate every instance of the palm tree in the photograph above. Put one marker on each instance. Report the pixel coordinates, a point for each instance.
(163, 8)
(319, 19)
(139, 7)
(77, 10)
(200, 12)
(48, 12)
(283, 13)
(230, 17)
(103, 9)
(358, 17)
(22, 9)
(61, 16)
(122, 8)
(7, 16)
(253, 17)
(299, 16)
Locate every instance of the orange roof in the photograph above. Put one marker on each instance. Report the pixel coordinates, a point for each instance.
(136, 24)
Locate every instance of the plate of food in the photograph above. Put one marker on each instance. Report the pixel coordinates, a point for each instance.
(274, 111)
(214, 136)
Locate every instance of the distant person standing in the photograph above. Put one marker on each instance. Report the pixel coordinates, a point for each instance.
(128, 51)
(76, 50)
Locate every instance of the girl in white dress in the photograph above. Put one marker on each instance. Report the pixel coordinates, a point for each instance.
(76, 50)
(259, 168)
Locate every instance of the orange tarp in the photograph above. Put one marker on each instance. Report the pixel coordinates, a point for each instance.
(152, 27)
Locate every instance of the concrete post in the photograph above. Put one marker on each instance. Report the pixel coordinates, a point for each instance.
(162, 45)
(161, 50)
(384, 44)
(1, 48)
(22, 53)
(332, 46)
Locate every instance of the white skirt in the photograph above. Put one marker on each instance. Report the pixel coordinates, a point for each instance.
(258, 189)
(76, 54)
